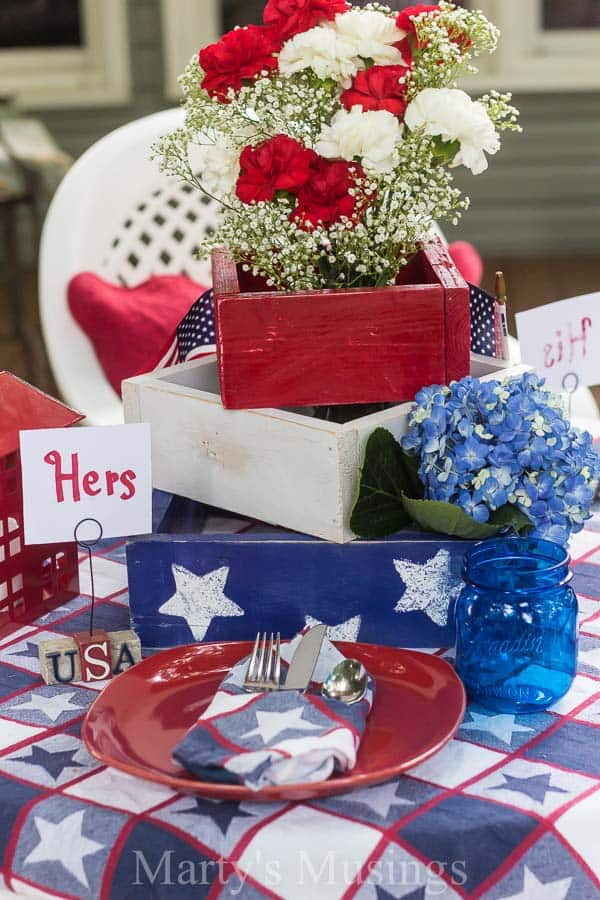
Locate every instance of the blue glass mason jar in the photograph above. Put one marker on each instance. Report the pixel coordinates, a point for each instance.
(516, 623)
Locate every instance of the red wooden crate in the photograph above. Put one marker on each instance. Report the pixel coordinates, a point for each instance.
(361, 345)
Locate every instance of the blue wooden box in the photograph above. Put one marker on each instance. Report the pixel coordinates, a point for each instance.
(208, 586)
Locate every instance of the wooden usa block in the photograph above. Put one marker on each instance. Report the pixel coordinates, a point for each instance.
(59, 661)
(283, 467)
(398, 591)
(86, 657)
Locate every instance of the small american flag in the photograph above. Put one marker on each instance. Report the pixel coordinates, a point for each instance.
(195, 334)
(482, 322)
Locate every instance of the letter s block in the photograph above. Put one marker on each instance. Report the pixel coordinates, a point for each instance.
(59, 661)
(95, 654)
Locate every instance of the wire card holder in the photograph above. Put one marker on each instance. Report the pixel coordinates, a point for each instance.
(570, 383)
(93, 655)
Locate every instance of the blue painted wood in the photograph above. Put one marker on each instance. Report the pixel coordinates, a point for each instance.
(398, 591)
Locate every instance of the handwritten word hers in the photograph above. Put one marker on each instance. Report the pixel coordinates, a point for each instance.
(71, 475)
(90, 483)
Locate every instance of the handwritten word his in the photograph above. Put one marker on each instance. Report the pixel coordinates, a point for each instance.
(92, 483)
(554, 354)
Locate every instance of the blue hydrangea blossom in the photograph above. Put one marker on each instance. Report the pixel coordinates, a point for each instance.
(483, 444)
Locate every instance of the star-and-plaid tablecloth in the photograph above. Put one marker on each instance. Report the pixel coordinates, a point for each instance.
(509, 809)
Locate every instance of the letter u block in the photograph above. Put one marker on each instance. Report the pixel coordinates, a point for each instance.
(59, 661)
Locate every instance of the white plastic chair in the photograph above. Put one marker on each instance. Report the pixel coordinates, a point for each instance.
(117, 215)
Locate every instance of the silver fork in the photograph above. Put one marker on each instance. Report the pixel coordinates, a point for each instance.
(264, 667)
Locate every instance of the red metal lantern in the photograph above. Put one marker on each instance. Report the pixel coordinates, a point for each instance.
(38, 578)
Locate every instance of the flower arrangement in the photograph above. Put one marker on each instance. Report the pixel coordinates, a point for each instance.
(480, 457)
(329, 134)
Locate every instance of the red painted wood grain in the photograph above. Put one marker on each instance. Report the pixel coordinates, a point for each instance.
(326, 347)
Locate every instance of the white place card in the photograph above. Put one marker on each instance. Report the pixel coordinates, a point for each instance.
(75, 474)
(562, 341)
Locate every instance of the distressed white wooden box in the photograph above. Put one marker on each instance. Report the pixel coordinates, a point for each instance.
(280, 466)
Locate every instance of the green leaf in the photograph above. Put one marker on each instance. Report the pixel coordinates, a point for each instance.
(509, 515)
(434, 515)
(387, 473)
(444, 151)
(411, 470)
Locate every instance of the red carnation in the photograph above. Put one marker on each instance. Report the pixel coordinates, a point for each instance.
(290, 17)
(279, 164)
(405, 21)
(326, 197)
(240, 55)
(461, 38)
(379, 87)
(405, 17)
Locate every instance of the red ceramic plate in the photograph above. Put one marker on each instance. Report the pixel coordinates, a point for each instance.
(141, 715)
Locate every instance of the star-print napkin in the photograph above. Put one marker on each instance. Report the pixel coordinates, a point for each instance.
(279, 737)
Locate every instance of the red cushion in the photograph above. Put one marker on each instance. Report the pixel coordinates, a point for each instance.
(467, 260)
(130, 326)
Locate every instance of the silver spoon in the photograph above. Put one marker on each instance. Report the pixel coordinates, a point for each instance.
(347, 682)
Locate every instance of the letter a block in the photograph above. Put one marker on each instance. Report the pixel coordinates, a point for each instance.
(59, 661)
(126, 650)
(96, 655)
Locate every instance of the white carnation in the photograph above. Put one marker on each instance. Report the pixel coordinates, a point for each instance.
(324, 51)
(373, 136)
(372, 34)
(451, 114)
(220, 169)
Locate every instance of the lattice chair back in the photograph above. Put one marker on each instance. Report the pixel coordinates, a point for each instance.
(117, 215)
(160, 235)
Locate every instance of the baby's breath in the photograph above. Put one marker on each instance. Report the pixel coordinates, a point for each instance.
(398, 207)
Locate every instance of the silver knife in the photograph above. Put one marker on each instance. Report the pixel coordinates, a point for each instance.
(305, 659)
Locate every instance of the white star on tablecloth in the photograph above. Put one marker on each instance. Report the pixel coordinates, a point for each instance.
(64, 843)
(430, 587)
(502, 726)
(549, 890)
(345, 631)
(199, 598)
(380, 798)
(52, 707)
(271, 724)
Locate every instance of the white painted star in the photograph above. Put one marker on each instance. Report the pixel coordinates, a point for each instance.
(113, 788)
(271, 724)
(64, 843)
(52, 707)
(502, 726)
(550, 890)
(345, 631)
(199, 598)
(430, 587)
